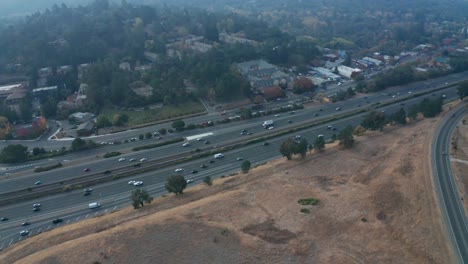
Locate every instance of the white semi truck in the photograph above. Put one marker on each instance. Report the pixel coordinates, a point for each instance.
(268, 123)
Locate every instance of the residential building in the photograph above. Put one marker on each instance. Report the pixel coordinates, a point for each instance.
(373, 61)
(85, 129)
(262, 74)
(231, 38)
(80, 117)
(150, 56)
(125, 66)
(347, 72)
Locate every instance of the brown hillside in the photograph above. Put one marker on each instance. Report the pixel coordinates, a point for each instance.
(376, 205)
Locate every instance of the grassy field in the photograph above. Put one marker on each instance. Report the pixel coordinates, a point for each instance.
(153, 115)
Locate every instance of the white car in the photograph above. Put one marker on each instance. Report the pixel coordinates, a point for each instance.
(199, 139)
(143, 159)
(131, 182)
(321, 135)
(178, 170)
(137, 183)
(36, 205)
(186, 144)
(132, 159)
(24, 233)
(121, 159)
(271, 127)
(189, 181)
(277, 115)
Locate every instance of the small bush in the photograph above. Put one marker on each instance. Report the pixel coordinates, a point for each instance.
(112, 154)
(364, 220)
(308, 201)
(67, 188)
(48, 168)
(305, 211)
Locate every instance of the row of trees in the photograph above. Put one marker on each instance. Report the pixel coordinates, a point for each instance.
(174, 184)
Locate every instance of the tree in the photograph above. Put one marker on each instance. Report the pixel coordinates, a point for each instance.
(430, 108)
(400, 116)
(119, 119)
(103, 121)
(162, 131)
(148, 135)
(374, 120)
(38, 151)
(78, 144)
(176, 184)
(178, 125)
(319, 144)
(287, 148)
(413, 112)
(245, 166)
(139, 197)
(462, 90)
(303, 85)
(207, 180)
(14, 154)
(301, 147)
(346, 137)
(141, 136)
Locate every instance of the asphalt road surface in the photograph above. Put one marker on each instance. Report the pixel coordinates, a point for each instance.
(452, 206)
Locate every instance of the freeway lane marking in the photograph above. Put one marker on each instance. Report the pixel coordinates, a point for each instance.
(11, 241)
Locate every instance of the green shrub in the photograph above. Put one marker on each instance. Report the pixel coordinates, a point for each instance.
(305, 211)
(308, 201)
(112, 154)
(48, 168)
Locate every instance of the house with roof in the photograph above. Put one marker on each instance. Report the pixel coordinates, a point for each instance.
(85, 129)
(271, 92)
(262, 74)
(80, 117)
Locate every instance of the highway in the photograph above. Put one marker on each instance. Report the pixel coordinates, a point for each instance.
(221, 135)
(125, 135)
(452, 207)
(72, 206)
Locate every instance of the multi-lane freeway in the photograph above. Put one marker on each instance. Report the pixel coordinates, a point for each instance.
(452, 206)
(72, 206)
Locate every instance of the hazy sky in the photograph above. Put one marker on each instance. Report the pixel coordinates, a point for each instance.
(21, 7)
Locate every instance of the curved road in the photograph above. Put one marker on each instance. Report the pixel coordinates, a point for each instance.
(448, 193)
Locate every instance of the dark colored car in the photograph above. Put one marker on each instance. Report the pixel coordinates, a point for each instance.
(194, 171)
(203, 166)
(57, 221)
(3, 219)
(266, 143)
(36, 209)
(87, 169)
(25, 224)
(212, 161)
(107, 172)
(87, 192)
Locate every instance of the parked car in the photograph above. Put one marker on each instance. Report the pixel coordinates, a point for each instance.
(57, 221)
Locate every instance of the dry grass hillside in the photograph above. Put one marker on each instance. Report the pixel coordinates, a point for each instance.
(376, 205)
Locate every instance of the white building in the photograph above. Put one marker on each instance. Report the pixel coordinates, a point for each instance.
(347, 72)
(372, 61)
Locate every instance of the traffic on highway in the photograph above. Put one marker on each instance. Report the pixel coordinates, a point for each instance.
(23, 219)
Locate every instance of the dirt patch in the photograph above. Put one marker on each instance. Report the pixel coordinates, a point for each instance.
(269, 232)
(376, 205)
